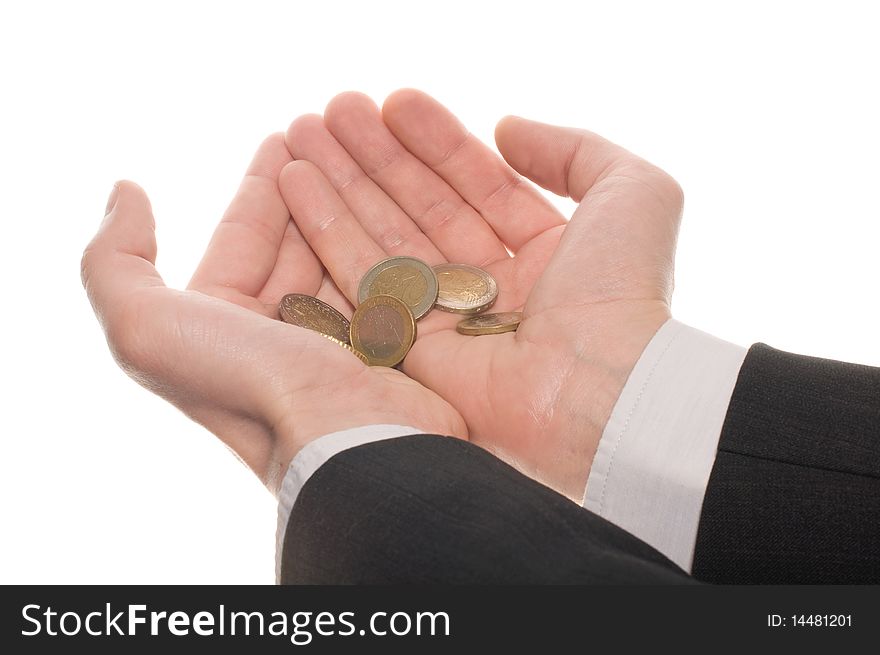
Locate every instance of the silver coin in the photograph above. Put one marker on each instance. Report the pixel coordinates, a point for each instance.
(406, 278)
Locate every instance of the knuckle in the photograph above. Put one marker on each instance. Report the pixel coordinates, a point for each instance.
(453, 150)
(505, 190)
(326, 221)
(391, 238)
(439, 215)
(385, 157)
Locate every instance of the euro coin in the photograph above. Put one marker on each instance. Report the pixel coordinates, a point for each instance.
(354, 352)
(383, 328)
(464, 289)
(490, 323)
(313, 314)
(406, 278)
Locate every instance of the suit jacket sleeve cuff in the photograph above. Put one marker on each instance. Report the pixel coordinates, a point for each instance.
(653, 462)
(313, 456)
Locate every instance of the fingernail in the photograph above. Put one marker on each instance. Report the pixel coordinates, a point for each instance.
(111, 201)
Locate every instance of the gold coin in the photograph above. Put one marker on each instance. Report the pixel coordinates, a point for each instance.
(354, 352)
(406, 278)
(384, 329)
(464, 289)
(313, 314)
(490, 323)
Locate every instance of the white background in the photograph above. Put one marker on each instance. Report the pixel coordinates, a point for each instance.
(766, 113)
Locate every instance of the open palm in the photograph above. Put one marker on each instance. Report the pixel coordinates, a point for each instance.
(216, 351)
(410, 180)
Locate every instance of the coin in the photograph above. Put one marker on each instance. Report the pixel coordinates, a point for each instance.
(406, 278)
(464, 289)
(490, 323)
(384, 329)
(313, 314)
(356, 353)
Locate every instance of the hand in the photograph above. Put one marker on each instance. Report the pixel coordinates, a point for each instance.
(216, 351)
(412, 181)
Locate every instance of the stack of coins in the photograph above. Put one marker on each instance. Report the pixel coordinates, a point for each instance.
(392, 296)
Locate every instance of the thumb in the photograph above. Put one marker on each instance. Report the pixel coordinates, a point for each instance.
(572, 162)
(128, 222)
(121, 256)
(621, 238)
(564, 160)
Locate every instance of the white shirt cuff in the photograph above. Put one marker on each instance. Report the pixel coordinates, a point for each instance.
(312, 457)
(656, 453)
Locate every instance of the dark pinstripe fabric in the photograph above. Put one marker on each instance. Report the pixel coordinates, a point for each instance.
(429, 509)
(794, 496)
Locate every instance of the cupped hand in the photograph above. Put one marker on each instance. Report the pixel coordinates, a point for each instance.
(411, 180)
(217, 350)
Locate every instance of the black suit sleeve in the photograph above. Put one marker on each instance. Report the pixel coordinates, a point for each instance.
(430, 509)
(794, 495)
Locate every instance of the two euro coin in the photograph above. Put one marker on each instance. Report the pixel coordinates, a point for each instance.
(394, 294)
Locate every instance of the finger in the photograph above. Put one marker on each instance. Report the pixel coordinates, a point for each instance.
(297, 269)
(330, 294)
(387, 224)
(516, 211)
(458, 231)
(122, 255)
(242, 252)
(328, 225)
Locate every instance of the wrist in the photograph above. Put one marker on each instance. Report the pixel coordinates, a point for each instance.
(658, 448)
(603, 364)
(368, 397)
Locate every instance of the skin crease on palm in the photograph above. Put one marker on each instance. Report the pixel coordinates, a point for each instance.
(338, 192)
